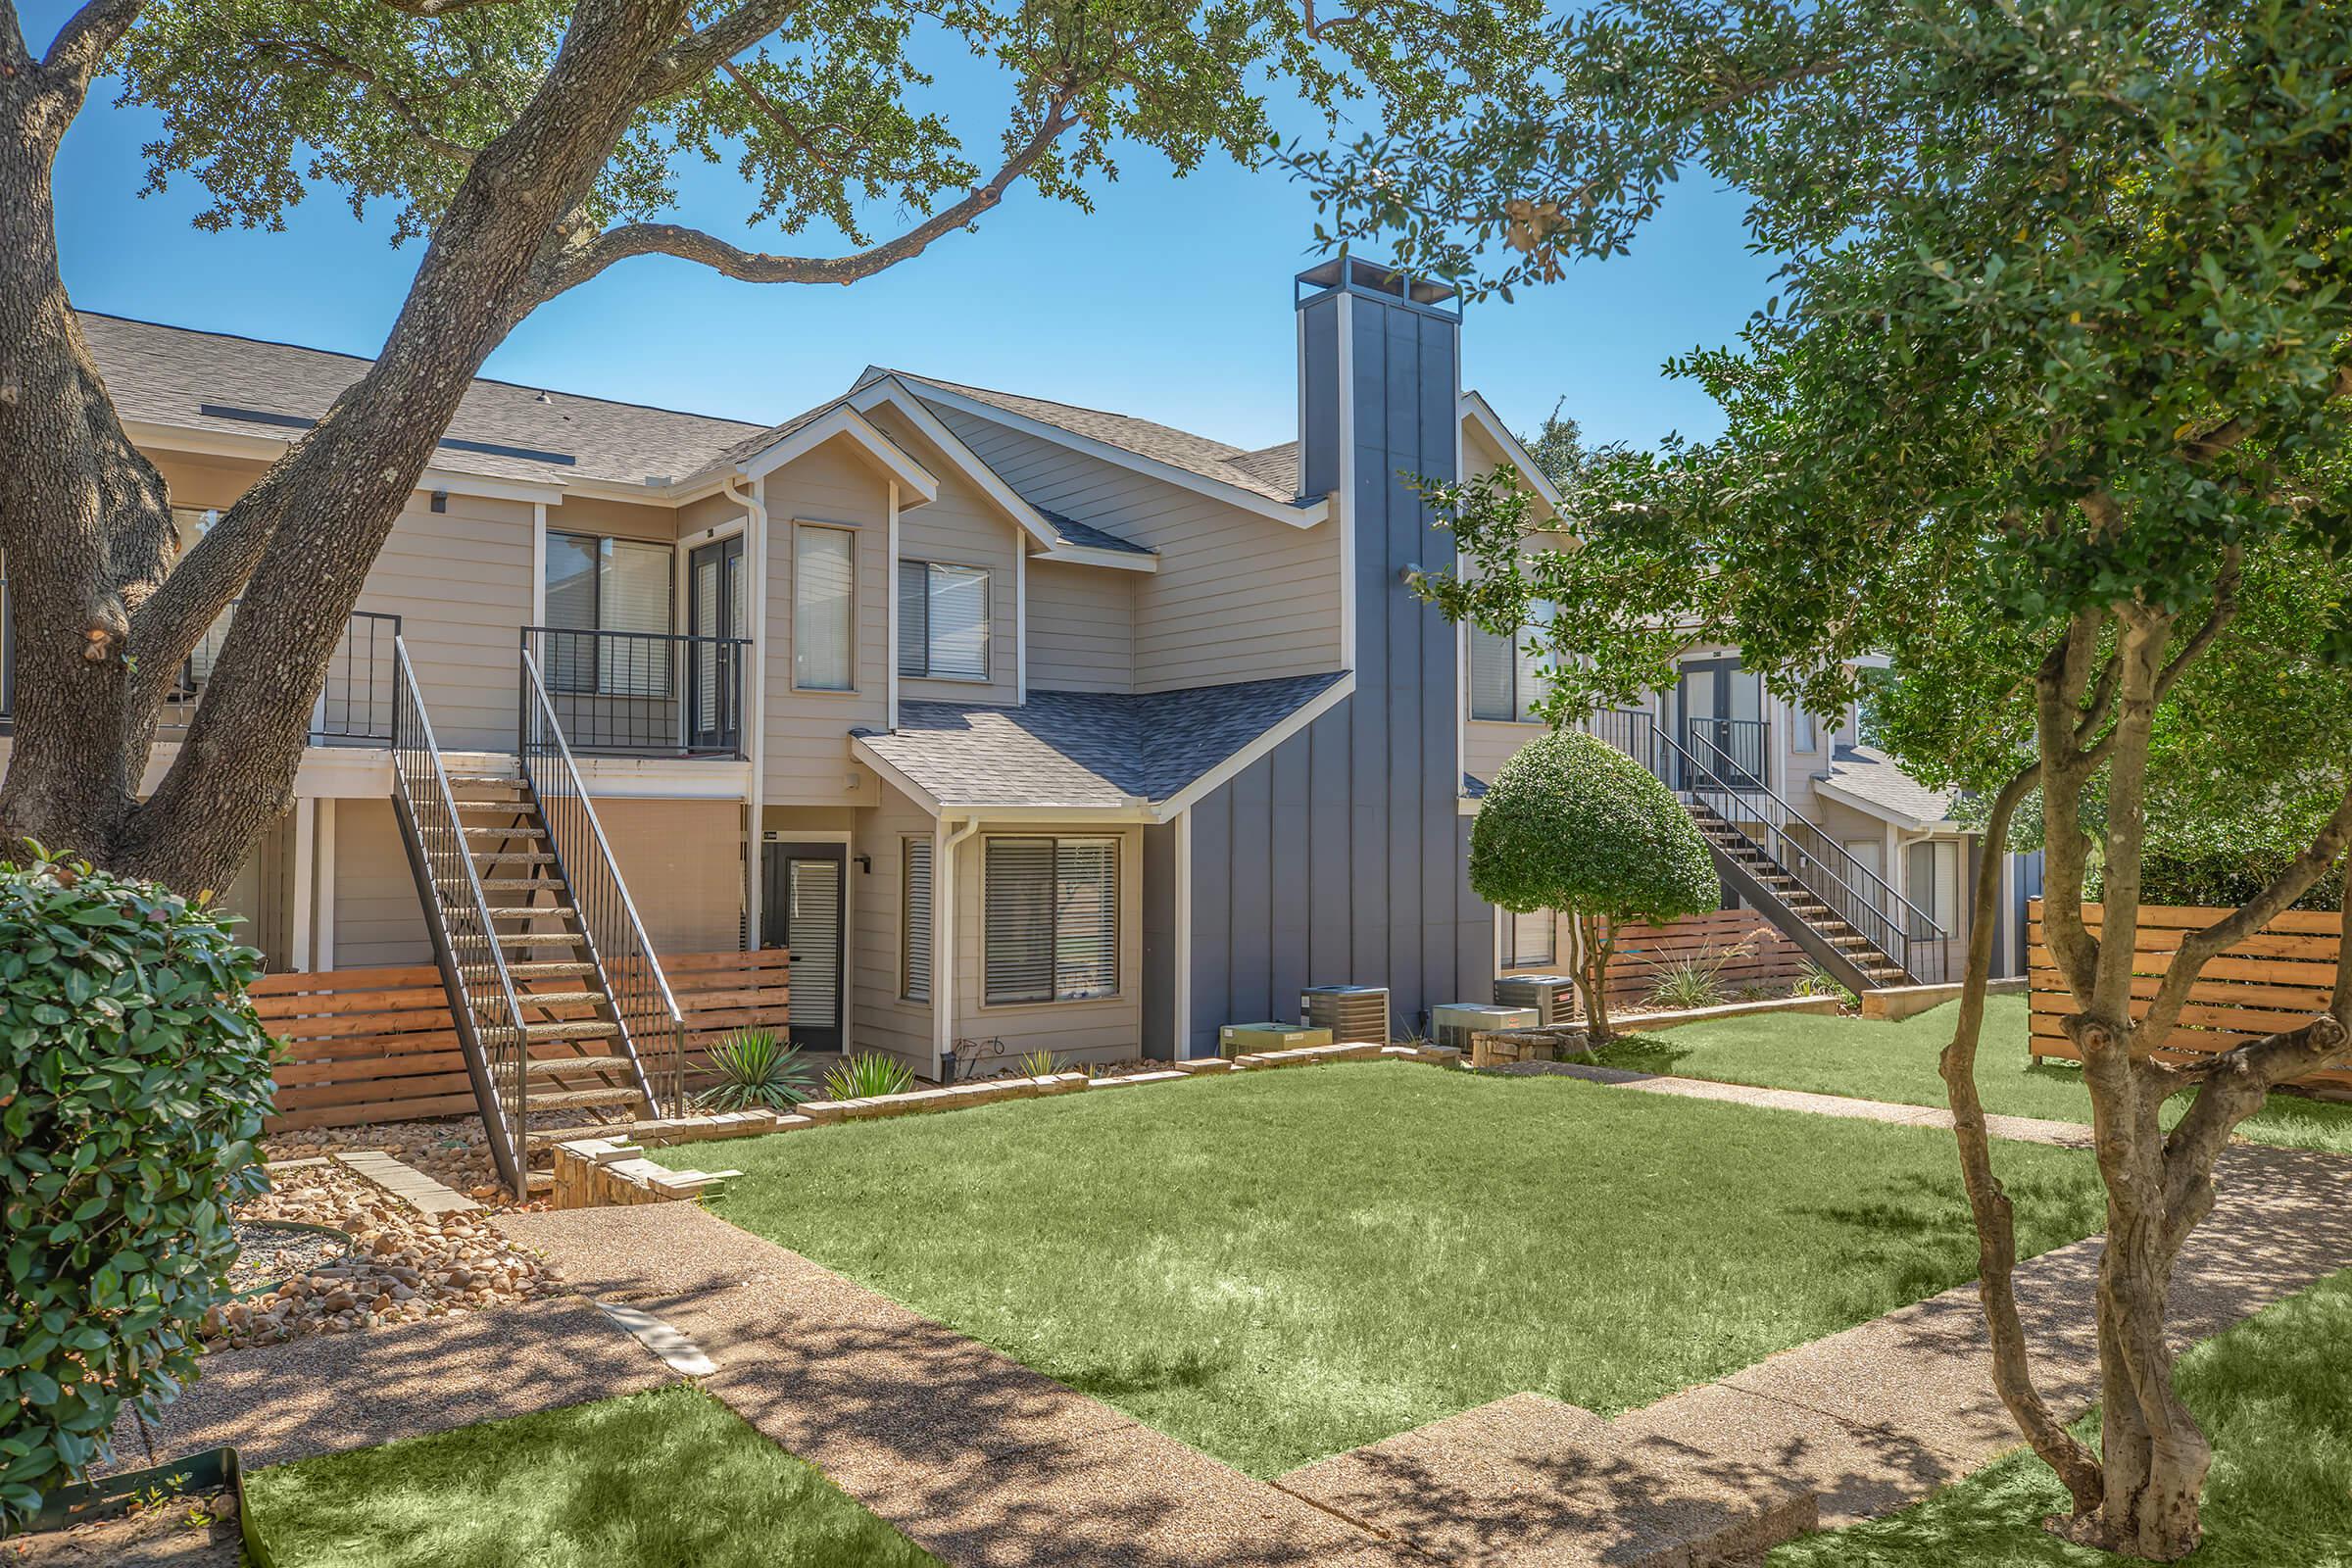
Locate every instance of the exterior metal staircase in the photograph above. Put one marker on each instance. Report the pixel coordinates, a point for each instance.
(547, 993)
(1839, 913)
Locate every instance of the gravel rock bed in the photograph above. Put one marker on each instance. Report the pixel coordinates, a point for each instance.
(454, 1151)
(404, 1266)
(267, 1254)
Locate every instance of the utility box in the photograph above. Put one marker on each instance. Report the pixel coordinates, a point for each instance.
(1350, 1013)
(1552, 995)
(1249, 1039)
(1455, 1022)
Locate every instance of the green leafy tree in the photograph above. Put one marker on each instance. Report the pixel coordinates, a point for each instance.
(134, 1079)
(2052, 409)
(530, 145)
(1574, 825)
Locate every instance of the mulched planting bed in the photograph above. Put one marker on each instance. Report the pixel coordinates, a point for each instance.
(1276, 1266)
(403, 1265)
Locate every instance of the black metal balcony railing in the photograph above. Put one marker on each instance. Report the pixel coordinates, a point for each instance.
(354, 708)
(1738, 747)
(644, 694)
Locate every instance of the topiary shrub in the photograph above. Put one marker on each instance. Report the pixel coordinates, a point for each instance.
(1572, 824)
(133, 1078)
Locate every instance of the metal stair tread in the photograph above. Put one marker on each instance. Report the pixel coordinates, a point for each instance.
(573, 1029)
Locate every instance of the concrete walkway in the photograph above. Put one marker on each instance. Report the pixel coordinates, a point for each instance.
(976, 1457)
(2018, 1129)
(333, 1393)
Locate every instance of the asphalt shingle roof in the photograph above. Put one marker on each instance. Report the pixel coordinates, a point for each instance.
(1085, 749)
(1873, 777)
(169, 374)
(1074, 533)
(1253, 472)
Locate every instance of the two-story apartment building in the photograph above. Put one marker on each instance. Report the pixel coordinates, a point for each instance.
(1015, 721)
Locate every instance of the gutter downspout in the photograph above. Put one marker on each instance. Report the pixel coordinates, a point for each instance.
(943, 955)
(754, 565)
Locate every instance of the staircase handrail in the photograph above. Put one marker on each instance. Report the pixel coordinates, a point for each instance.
(614, 909)
(1885, 930)
(508, 1137)
(1924, 930)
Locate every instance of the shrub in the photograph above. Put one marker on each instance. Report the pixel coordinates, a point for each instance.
(863, 1077)
(1817, 981)
(1691, 983)
(1039, 1064)
(134, 1077)
(1572, 824)
(756, 1068)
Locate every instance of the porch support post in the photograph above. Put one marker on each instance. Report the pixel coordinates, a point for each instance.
(324, 956)
(298, 919)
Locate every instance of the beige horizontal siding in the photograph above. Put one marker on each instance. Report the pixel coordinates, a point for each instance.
(1081, 629)
(1237, 596)
(683, 863)
(880, 1018)
(1488, 745)
(461, 582)
(808, 748)
(379, 918)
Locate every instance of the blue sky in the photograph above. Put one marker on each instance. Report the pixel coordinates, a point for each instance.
(1171, 301)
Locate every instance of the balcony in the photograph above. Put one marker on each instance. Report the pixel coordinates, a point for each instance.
(352, 708)
(644, 694)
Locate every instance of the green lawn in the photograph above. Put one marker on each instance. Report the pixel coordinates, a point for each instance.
(1281, 1265)
(1897, 1061)
(670, 1479)
(2275, 1394)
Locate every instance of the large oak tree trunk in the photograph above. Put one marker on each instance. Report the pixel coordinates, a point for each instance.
(84, 521)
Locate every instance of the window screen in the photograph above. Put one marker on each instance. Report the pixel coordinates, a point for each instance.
(943, 621)
(1506, 681)
(822, 599)
(1052, 920)
(914, 957)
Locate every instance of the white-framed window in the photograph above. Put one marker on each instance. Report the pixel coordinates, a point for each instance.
(599, 584)
(824, 602)
(914, 902)
(1507, 678)
(1051, 919)
(943, 621)
(1529, 939)
(1803, 733)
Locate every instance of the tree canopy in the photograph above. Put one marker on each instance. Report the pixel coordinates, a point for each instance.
(530, 145)
(2052, 411)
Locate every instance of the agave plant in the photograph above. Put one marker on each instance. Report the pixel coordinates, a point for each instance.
(1039, 1064)
(865, 1076)
(756, 1068)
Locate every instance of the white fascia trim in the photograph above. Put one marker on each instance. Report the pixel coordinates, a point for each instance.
(182, 441)
(897, 778)
(907, 406)
(1881, 810)
(1298, 517)
(1477, 412)
(1096, 555)
(1322, 702)
(842, 420)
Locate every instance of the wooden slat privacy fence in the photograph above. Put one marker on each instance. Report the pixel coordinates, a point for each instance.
(1645, 953)
(2279, 978)
(379, 1044)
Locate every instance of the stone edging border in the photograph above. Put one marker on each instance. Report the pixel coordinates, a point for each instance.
(602, 1172)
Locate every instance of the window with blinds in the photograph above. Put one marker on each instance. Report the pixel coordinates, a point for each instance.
(1052, 912)
(1506, 680)
(943, 621)
(1529, 939)
(600, 585)
(914, 896)
(823, 606)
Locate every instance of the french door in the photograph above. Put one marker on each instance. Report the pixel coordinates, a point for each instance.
(1723, 719)
(715, 611)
